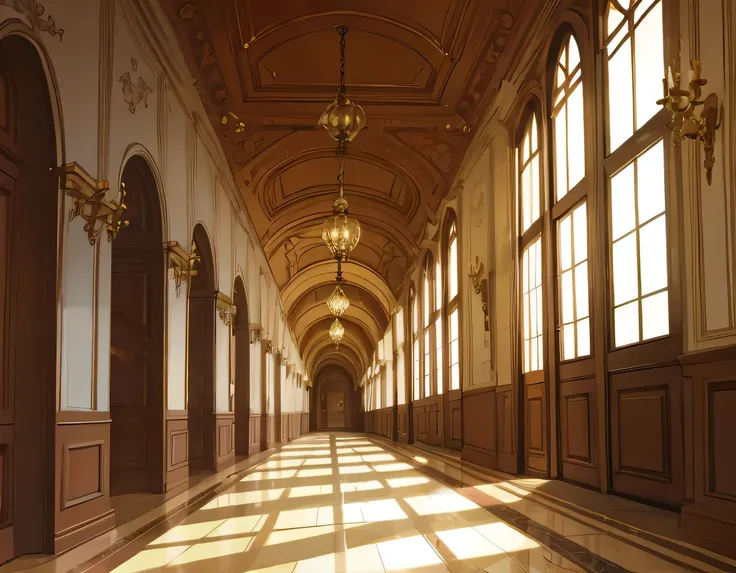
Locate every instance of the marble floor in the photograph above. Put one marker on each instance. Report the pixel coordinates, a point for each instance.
(337, 502)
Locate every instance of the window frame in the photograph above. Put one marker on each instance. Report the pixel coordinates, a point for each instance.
(663, 348)
(450, 305)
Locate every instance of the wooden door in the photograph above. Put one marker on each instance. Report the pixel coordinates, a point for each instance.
(132, 348)
(136, 340)
(335, 410)
(29, 211)
(200, 374)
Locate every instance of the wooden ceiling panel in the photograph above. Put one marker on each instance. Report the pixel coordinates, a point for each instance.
(423, 70)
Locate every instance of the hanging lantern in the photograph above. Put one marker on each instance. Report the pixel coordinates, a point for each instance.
(338, 303)
(343, 119)
(341, 233)
(337, 331)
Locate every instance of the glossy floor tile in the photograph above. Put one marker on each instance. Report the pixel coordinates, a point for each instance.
(339, 503)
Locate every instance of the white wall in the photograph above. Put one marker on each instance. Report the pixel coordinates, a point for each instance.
(103, 41)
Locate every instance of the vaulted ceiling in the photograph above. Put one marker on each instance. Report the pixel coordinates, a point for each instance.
(423, 70)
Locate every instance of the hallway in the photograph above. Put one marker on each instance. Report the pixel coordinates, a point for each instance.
(338, 502)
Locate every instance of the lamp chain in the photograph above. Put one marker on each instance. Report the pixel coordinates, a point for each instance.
(342, 30)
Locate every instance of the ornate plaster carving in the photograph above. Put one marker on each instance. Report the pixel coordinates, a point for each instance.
(134, 92)
(34, 11)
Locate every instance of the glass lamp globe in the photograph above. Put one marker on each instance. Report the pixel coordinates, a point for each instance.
(343, 119)
(341, 233)
(338, 303)
(337, 331)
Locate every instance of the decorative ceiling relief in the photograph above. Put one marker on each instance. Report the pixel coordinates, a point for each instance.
(35, 11)
(423, 72)
(134, 91)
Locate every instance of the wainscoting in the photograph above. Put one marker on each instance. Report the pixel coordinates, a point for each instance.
(402, 423)
(428, 420)
(225, 440)
(488, 426)
(254, 434)
(82, 508)
(710, 419)
(177, 450)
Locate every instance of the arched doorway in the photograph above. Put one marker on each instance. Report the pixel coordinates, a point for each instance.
(137, 339)
(335, 403)
(201, 357)
(29, 219)
(243, 431)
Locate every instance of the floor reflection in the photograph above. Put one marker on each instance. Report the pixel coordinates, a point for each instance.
(332, 503)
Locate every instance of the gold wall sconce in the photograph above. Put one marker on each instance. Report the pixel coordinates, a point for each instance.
(254, 331)
(239, 125)
(91, 203)
(480, 284)
(686, 121)
(182, 263)
(226, 310)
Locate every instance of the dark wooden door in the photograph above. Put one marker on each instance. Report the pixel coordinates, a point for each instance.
(29, 222)
(335, 410)
(133, 408)
(200, 383)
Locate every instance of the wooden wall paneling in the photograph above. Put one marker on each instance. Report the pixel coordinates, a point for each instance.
(82, 488)
(646, 434)
(710, 517)
(177, 450)
(535, 429)
(506, 429)
(254, 434)
(579, 431)
(480, 427)
(6, 492)
(402, 423)
(225, 440)
(453, 419)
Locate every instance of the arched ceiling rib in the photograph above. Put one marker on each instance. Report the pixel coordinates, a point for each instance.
(423, 71)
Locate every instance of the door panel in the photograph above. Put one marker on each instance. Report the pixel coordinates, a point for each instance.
(536, 428)
(129, 375)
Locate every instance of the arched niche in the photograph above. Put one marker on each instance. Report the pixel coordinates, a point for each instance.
(201, 357)
(29, 203)
(137, 339)
(335, 402)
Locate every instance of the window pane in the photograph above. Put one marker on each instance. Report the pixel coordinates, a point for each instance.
(649, 62)
(453, 269)
(620, 97)
(653, 248)
(568, 341)
(438, 357)
(416, 370)
(650, 183)
(561, 153)
(566, 292)
(438, 287)
(427, 366)
(583, 332)
(534, 173)
(655, 316)
(574, 55)
(625, 276)
(565, 243)
(581, 291)
(614, 19)
(532, 303)
(623, 204)
(415, 315)
(576, 136)
(455, 377)
(626, 320)
(580, 228)
(426, 301)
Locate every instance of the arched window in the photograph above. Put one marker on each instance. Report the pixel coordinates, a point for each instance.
(570, 209)
(636, 168)
(453, 310)
(401, 357)
(531, 248)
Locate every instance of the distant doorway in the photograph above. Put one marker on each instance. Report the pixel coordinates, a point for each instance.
(201, 357)
(29, 222)
(136, 340)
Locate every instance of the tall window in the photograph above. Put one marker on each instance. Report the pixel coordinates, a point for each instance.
(427, 325)
(401, 351)
(638, 225)
(570, 211)
(453, 309)
(438, 325)
(415, 345)
(531, 249)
